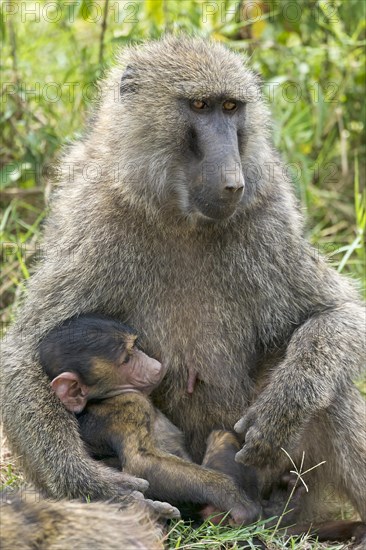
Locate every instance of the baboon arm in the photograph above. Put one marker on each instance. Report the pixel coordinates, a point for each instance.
(67, 474)
(130, 434)
(179, 481)
(322, 355)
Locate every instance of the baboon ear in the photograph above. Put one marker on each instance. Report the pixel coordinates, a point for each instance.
(70, 390)
(128, 81)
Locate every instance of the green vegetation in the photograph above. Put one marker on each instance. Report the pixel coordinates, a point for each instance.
(310, 53)
(213, 537)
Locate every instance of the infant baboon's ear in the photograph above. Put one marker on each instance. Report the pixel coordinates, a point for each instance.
(71, 391)
(128, 81)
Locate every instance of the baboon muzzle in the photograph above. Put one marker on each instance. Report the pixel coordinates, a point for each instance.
(219, 186)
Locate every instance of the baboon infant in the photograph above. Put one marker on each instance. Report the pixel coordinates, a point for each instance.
(99, 374)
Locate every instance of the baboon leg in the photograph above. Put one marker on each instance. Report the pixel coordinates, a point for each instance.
(179, 480)
(222, 446)
(29, 523)
(168, 437)
(131, 434)
(345, 421)
(338, 437)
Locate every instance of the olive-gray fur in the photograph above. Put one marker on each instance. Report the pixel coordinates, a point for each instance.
(238, 299)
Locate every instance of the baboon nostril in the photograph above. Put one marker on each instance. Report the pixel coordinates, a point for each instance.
(233, 187)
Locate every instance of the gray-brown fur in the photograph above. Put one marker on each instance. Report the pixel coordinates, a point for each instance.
(222, 446)
(220, 455)
(98, 372)
(27, 523)
(223, 297)
(125, 425)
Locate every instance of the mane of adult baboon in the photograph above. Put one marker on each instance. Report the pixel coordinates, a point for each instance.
(174, 214)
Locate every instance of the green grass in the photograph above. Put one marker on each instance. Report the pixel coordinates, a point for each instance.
(209, 536)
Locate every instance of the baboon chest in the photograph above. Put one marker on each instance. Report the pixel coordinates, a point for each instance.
(189, 313)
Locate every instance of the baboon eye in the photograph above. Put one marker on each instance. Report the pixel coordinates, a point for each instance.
(126, 359)
(229, 105)
(199, 104)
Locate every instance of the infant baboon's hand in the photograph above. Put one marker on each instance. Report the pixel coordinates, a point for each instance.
(163, 509)
(160, 509)
(244, 515)
(243, 510)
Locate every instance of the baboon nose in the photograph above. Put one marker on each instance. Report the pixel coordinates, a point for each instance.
(233, 187)
(235, 184)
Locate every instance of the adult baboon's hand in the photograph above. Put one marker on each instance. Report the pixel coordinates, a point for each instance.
(265, 432)
(125, 483)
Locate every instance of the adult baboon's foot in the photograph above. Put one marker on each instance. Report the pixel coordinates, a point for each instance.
(277, 501)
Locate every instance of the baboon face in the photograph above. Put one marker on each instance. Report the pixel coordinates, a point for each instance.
(95, 357)
(133, 371)
(213, 166)
(189, 108)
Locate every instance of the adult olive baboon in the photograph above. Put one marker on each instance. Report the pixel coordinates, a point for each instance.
(174, 215)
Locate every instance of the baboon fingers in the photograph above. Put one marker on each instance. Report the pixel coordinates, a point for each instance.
(125, 483)
(242, 425)
(133, 483)
(162, 509)
(241, 456)
(245, 423)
